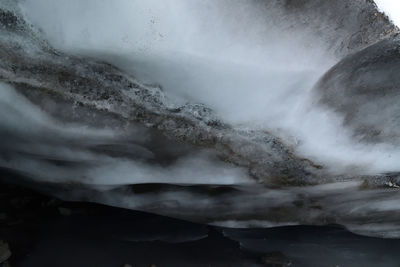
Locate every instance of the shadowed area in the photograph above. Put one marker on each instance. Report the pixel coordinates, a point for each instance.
(43, 231)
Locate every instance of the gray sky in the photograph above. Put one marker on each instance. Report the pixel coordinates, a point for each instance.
(391, 8)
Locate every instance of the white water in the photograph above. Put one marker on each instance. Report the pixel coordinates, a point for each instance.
(228, 55)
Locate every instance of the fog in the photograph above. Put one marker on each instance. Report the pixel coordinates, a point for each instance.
(237, 57)
(39, 147)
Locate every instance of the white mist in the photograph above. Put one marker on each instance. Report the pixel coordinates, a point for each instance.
(228, 55)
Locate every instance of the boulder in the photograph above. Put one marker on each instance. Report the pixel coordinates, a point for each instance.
(364, 88)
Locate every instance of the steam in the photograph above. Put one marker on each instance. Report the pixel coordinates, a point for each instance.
(237, 57)
(40, 147)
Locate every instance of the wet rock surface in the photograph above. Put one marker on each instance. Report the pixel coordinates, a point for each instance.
(46, 76)
(276, 258)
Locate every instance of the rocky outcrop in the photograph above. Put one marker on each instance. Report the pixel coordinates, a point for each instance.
(5, 253)
(364, 88)
(44, 75)
(344, 26)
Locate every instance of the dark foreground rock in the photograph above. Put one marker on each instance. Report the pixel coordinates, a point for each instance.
(46, 76)
(96, 235)
(5, 253)
(276, 258)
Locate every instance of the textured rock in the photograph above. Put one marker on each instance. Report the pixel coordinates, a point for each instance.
(275, 259)
(364, 87)
(344, 26)
(341, 27)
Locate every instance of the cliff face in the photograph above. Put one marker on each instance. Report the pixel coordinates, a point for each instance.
(136, 129)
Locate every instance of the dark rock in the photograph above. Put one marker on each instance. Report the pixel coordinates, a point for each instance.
(344, 26)
(64, 211)
(5, 252)
(275, 258)
(83, 90)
